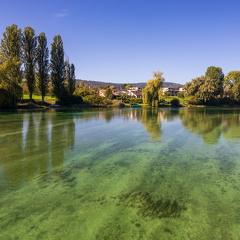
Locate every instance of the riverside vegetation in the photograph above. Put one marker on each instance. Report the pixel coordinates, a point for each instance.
(25, 68)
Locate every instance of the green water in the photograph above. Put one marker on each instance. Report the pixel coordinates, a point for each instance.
(120, 174)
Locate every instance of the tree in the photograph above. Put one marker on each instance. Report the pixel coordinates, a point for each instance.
(208, 87)
(10, 60)
(10, 90)
(192, 88)
(11, 44)
(126, 85)
(70, 77)
(232, 84)
(42, 65)
(215, 78)
(109, 93)
(57, 67)
(153, 91)
(29, 57)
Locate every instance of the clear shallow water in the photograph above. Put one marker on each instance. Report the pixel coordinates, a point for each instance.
(120, 174)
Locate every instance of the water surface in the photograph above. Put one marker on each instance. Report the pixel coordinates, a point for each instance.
(120, 174)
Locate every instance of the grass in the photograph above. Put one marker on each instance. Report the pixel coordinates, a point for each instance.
(183, 101)
(39, 98)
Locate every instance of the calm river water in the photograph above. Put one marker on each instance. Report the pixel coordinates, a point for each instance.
(120, 174)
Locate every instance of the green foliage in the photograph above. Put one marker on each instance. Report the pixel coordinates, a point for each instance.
(207, 87)
(175, 102)
(181, 94)
(29, 58)
(11, 44)
(83, 90)
(109, 93)
(167, 94)
(42, 65)
(126, 86)
(232, 85)
(215, 77)
(10, 66)
(93, 99)
(193, 100)
(11, 91)
(57, 67)
(70, 79)
(153, 91)
(135, 101)
(68, 100)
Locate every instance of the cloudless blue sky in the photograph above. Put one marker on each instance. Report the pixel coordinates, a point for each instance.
(125, 41)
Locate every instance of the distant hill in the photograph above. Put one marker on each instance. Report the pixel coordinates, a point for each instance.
(119, 85)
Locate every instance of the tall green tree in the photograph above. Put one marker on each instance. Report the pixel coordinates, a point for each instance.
(57, 67)
(42, 65)
(29, 58)
(208, 87)
(70, 79)
(10, 60)
(232, 84)
(192, 88)
(215, 77)
(153, 91)
(109, 93)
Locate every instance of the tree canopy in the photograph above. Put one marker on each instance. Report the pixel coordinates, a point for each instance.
(57, 66)
(208, 87)
(153, 91)
(42, 64)
(29, 58)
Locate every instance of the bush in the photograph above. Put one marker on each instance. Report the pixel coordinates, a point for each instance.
(175, 102)
(10, 97)
(93, 99)
(68, 100)
(118, 103)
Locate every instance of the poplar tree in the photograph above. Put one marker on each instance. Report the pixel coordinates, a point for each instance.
(29, 58)
(42, 65)
(70, 79)
(57, 67)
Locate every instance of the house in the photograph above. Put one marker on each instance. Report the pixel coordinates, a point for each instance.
(135, 89)
(172, 91)
(136, 94)
(117, 92)
(102, 92)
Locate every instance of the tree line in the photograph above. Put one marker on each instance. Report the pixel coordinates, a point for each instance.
(24, 55)
(214, 87)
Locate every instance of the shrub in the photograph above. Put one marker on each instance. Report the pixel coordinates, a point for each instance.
(10, 97)
(93, 99)
(70, 100)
